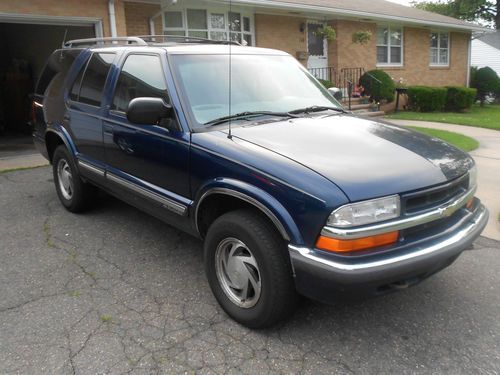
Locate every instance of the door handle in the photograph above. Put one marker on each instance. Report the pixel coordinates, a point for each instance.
(108, 129)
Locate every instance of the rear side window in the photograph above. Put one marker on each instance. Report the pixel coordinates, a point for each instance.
(141, 76)
(55, 71)
(94, 78)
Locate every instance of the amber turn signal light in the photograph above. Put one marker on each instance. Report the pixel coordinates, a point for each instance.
(344, 246)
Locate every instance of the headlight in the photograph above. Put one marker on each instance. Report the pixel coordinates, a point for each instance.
(366, 212)
(472, 177)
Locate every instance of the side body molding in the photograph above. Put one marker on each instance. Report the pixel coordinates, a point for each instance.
(259, 198)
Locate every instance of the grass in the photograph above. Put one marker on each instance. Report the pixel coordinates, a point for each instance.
(459, 140)
(20, 169)
(106, 319)
(485, 117)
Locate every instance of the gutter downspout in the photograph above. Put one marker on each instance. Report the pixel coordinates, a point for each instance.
(112, 18)
(469, 60)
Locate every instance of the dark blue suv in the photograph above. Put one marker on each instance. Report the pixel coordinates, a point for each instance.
(244, 149)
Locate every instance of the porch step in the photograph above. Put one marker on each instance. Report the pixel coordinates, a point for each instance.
(345, 101)
(357, 107)
(370, 114)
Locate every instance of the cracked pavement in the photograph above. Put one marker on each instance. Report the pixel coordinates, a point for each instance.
(115, 291)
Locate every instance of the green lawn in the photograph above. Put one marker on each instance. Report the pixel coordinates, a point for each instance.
(486, 117)
(461, 141)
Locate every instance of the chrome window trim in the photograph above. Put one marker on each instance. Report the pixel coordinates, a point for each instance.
(98, 171)
(245, 198)
(443, 211)
(167, 203)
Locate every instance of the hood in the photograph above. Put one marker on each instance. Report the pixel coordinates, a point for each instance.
(365, 159)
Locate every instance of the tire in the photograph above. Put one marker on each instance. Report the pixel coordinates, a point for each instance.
(74, 194)
(249, 270)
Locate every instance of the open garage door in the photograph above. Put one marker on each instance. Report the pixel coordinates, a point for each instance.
(25, 49)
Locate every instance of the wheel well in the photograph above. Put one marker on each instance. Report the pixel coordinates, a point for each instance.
(216, 205)
(52, 141)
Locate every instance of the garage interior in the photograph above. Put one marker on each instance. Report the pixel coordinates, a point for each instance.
(25, 49)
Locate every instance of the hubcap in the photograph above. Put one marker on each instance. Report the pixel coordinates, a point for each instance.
(238, 273)
(65, 179)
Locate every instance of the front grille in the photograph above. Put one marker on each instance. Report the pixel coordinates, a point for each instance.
(429, 199)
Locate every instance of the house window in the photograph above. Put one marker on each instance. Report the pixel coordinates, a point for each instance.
(389, 46)
(440, 49)
(211, 24)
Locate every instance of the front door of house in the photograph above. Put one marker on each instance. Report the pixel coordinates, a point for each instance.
(317, 47)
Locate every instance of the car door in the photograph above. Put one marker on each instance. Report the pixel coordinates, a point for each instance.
(85, 109)
(148, 162)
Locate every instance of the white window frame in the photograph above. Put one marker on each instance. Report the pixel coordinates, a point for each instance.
(388, 45)
(210, 11)
(438, 48)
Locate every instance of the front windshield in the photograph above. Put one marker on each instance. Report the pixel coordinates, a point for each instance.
(259, 83)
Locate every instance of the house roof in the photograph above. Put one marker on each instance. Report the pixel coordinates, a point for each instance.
(379, 10)
(493, 39)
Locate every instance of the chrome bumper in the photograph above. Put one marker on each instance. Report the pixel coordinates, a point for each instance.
(318, 272)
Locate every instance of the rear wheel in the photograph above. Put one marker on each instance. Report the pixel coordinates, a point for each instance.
(249, 270)
(74, 194)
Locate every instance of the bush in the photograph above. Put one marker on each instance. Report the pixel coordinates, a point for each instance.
(486, 82)
(379, 91)
(325, 83)
(427, 99)
(460, 98)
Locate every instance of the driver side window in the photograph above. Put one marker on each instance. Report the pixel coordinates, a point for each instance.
(141, 76)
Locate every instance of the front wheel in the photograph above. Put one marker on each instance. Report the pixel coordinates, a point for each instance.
(249, 270)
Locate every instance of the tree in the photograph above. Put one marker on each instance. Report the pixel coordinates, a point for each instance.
(486, 81)
(484, 11)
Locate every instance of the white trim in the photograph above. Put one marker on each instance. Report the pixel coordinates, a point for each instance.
(402, 46)
(112, 18)
(39, 19)
(183, 8)
(438, 48)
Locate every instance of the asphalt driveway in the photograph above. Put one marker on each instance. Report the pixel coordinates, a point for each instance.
(116, 291)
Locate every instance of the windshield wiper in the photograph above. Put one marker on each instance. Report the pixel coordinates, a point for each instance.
(317, 108)
(246, 115)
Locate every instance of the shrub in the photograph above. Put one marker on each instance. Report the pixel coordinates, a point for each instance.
(325, 83)
(460, 98)
(427, 99)
(378, 91)
(486, 82)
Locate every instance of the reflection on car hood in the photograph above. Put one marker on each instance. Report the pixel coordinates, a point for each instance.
(364, 158)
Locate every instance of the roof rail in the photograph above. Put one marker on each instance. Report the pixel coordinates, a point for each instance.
(183, 39)
(94, 41)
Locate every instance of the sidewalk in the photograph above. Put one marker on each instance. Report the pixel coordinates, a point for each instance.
(22, 161)
(487, 158)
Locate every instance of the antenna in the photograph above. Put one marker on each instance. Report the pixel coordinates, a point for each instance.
(230, 134)
(64, 38)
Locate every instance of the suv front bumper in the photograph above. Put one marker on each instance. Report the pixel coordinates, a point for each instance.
(323, 276)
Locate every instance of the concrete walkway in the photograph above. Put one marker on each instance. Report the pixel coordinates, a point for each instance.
(487, 158)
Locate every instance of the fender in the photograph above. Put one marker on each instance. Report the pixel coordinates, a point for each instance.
(62, 133)
(259, 198)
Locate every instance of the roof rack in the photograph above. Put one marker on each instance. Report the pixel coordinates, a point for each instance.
(155, 39)
(94, 41)
(144, 40)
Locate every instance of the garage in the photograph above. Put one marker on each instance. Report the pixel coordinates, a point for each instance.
(26, 44)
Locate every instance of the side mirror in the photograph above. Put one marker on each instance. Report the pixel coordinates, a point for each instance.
(148, 110)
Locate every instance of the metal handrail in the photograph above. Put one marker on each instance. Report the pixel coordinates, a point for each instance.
(114, 40)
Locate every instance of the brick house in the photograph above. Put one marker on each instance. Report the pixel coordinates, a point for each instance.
(420, 47)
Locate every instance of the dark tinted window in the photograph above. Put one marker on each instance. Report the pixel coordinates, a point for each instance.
(95, 78)
(75, 88)
(141, 76)
(55, 71)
